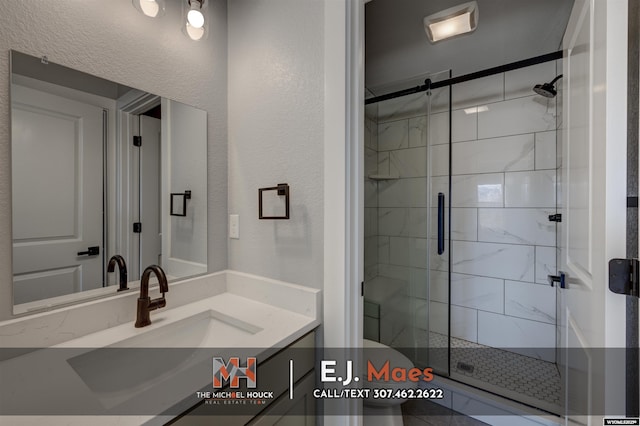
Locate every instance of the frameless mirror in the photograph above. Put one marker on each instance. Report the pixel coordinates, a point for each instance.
(94, 166)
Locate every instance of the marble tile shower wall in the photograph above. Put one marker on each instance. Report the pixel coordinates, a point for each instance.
(503, 188)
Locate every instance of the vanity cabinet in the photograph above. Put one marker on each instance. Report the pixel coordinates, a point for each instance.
(299, 411)
(272, 375)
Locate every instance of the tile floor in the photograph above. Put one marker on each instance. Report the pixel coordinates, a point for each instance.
(426, 413)
(521, 378)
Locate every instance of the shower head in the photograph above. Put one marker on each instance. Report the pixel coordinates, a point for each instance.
(547, 89)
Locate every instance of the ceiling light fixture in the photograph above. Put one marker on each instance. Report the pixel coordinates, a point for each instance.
(150, 8)
(451, 22)
(193, 15)
(195, 18)
(195, 22)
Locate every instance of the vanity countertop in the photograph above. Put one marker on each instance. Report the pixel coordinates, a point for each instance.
(253, 317)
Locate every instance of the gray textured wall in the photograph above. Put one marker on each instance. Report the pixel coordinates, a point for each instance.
(276, 104)
(112, 40)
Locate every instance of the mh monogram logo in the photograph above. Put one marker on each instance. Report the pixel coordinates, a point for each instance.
(232, 372)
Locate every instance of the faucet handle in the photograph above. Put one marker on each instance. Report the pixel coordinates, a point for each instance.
(154, 304)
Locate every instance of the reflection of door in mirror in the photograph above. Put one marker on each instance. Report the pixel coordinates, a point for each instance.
(57, 175)
(80, 181)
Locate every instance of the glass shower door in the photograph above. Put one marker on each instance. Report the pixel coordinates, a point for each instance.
(436, 352)
(406, 167)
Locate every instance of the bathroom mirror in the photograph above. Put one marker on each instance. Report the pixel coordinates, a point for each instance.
(94, 164)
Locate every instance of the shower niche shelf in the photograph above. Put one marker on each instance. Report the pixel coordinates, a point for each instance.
(383, 177)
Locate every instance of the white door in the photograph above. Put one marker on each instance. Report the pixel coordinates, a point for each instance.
(150, 243)
(57, 182)
(593, 186)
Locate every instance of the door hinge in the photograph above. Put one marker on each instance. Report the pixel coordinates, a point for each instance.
(555, 217)
(623, 276)
(137, 227)
(137, 141)
(361, 288)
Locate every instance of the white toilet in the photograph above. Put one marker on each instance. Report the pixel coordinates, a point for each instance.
(385, 412)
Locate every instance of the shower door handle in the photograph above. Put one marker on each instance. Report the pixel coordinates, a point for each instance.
(440, 223)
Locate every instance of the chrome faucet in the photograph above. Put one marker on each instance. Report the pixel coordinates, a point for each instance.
(122, 267)
(145, 304)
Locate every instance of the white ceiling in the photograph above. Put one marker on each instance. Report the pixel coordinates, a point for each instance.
(399, 55)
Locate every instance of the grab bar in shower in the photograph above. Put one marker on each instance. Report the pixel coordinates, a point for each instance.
(440, 223)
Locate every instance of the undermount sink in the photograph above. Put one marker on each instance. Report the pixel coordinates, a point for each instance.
(127, 367)
(203, 329)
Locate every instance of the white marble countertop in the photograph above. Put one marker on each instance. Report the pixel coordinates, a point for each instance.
(278, 313)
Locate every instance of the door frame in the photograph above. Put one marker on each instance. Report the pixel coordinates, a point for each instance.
(130, 105)
(343, 189)
(615, 70)
(633, 147)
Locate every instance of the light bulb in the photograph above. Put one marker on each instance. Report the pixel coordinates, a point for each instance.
(195, 16)
(150, 7)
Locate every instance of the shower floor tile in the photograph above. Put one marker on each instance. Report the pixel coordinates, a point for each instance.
(524, 379)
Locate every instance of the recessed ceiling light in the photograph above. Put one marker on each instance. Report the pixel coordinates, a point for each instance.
(451, 22)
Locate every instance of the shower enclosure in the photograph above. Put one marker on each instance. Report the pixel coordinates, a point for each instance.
(460, 203)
